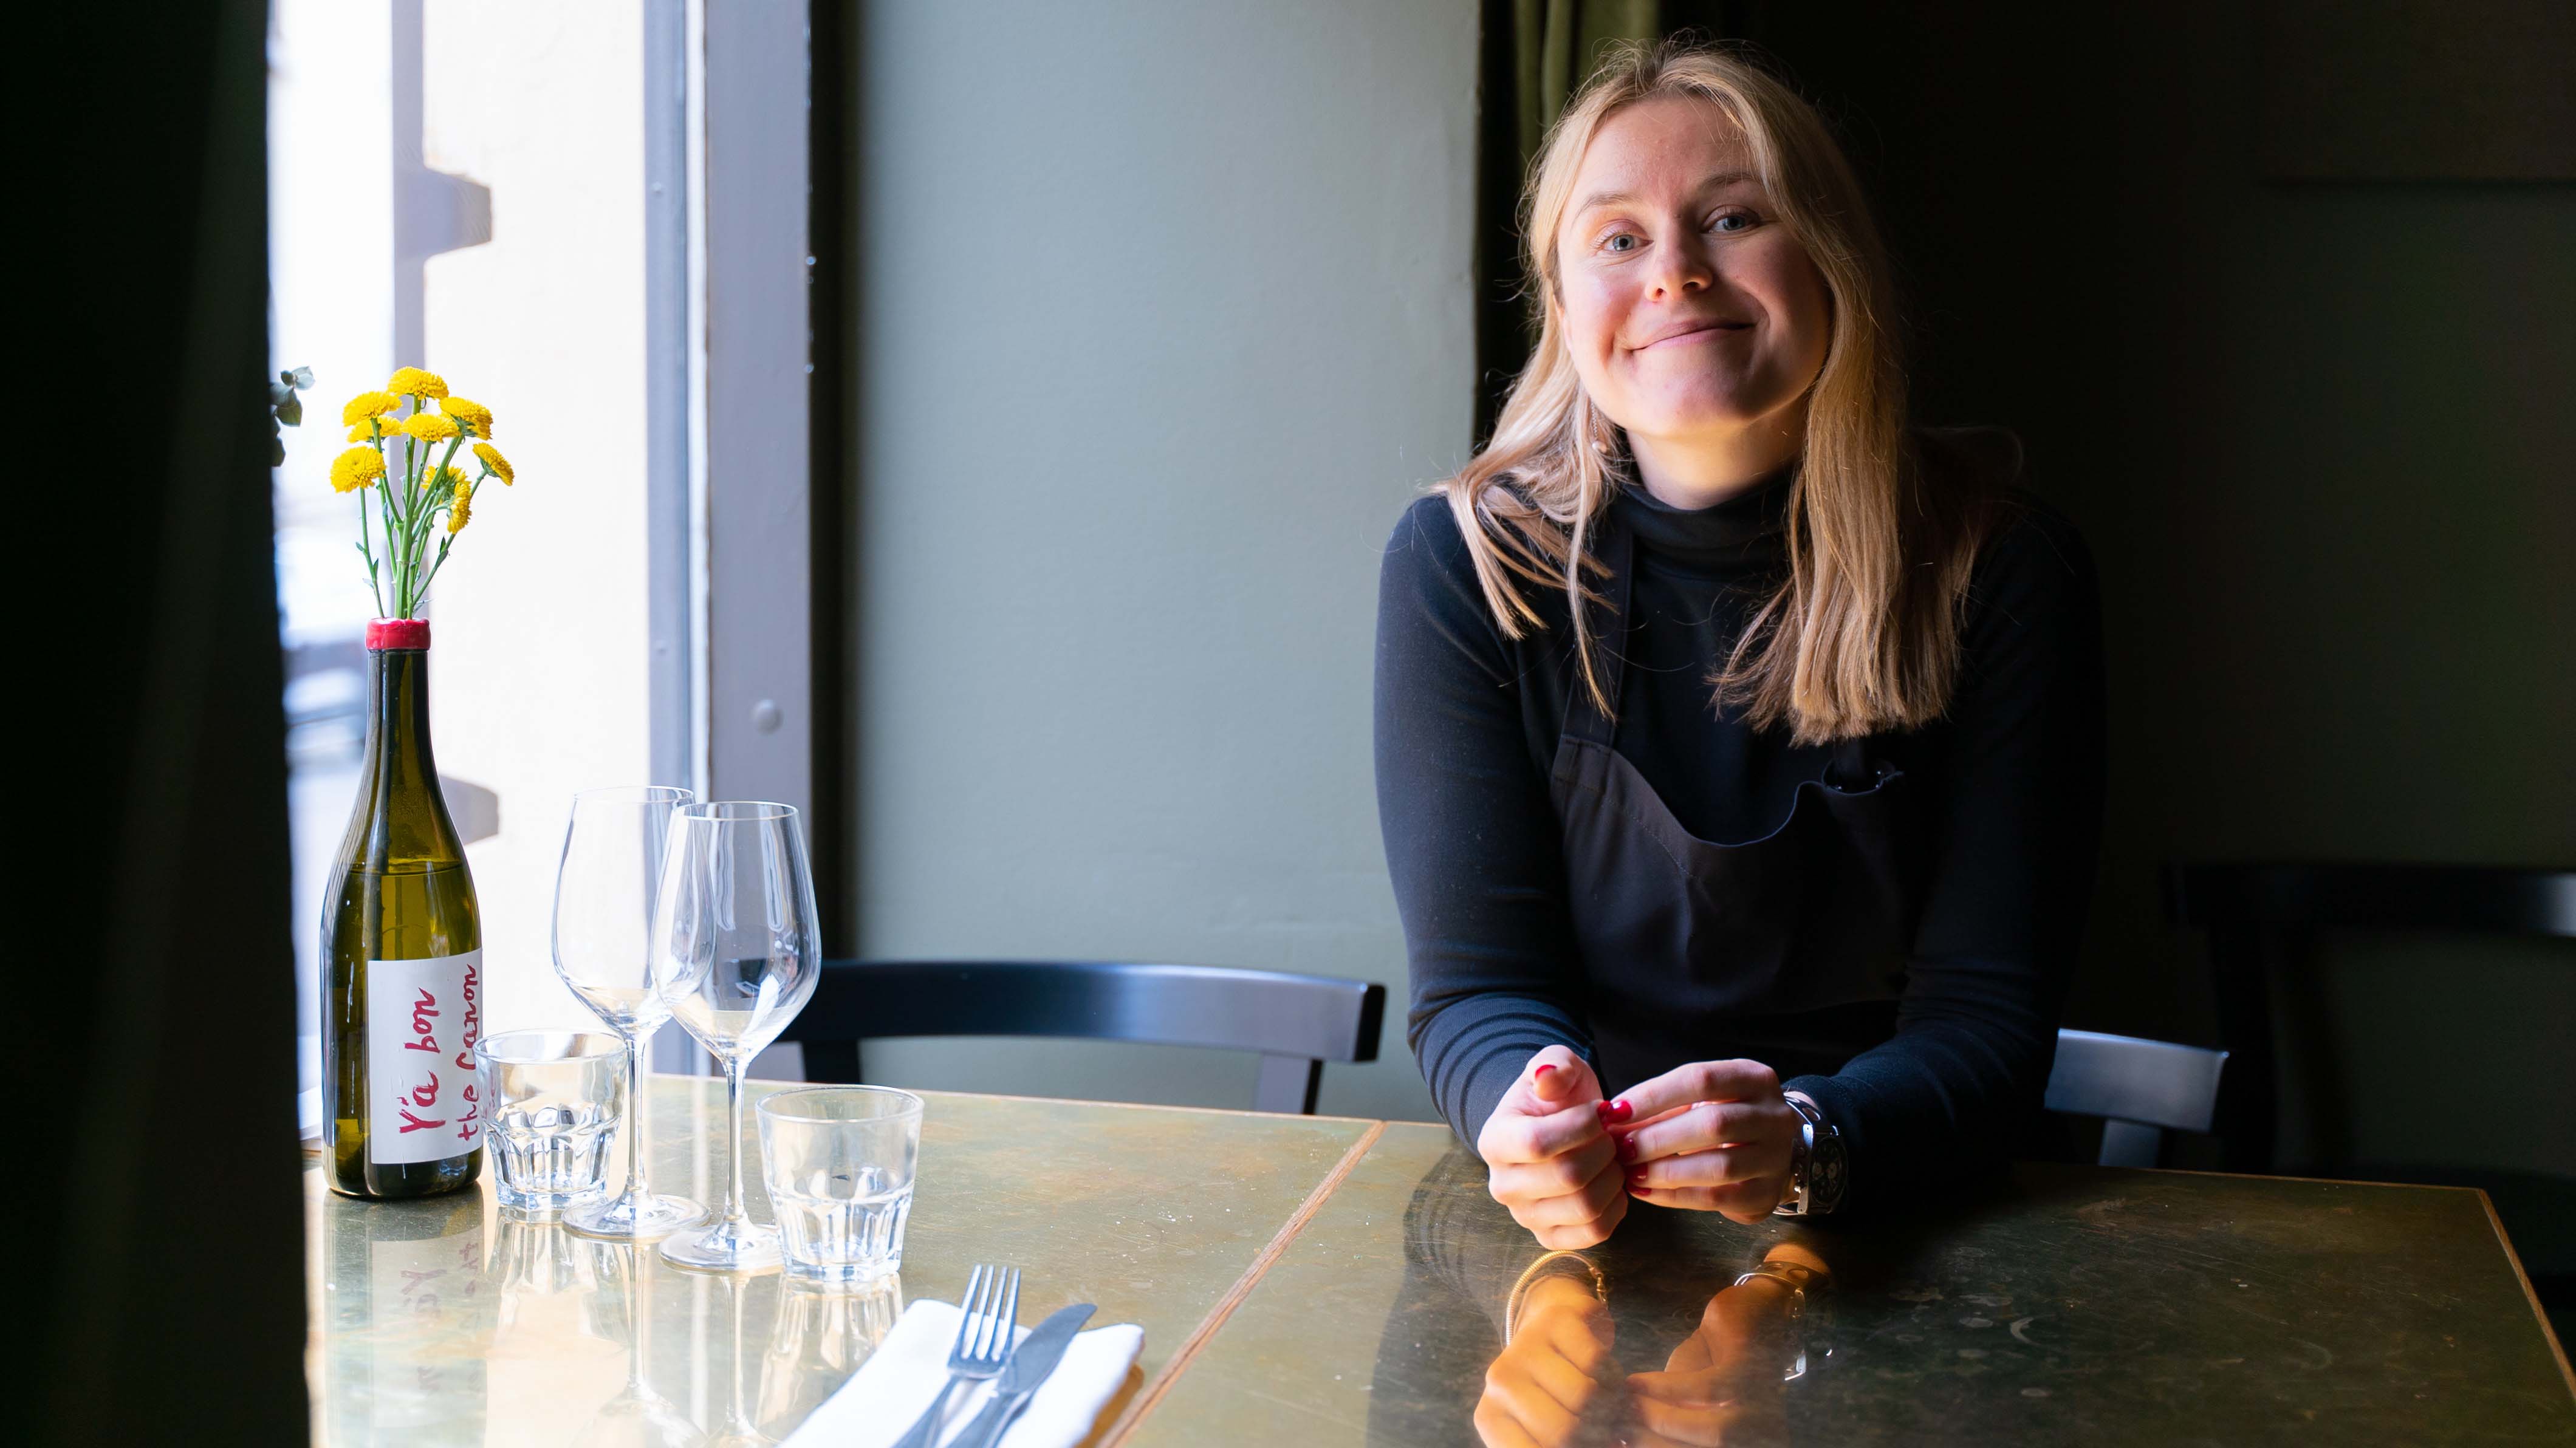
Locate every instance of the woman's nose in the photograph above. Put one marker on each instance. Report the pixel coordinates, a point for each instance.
(1682, 269)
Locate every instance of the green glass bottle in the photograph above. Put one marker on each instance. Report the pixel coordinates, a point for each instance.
(404, 944)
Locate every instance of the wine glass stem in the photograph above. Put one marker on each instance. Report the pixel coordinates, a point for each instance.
(636, 1190)
(734, 1212)
(635, 1318)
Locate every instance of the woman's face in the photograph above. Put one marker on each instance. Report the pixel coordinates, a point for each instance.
(1693, 315)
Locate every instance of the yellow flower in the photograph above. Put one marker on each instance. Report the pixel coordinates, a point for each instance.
(355, 469)
(497, 464)
(473, 414)
(430, 426)
(412, 382)
(371, 428)
(369, 404)
(448, 478)
(458, 510)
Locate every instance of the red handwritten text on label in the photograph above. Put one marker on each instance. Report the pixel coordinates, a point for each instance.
(472, 1028)
(424, 1020)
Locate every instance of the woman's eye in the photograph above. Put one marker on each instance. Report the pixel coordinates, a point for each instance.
(1719, 222)
(1621, 241)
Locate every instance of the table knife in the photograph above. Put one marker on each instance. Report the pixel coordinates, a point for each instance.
(1030, 1364)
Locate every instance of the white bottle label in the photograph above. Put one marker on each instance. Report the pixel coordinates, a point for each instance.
(424, 1102)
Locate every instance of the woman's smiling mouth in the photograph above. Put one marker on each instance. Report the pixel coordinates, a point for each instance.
(1690, 332)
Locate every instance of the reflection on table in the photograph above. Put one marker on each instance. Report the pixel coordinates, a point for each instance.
(2057, 1305)
(1559, 1378)
(455, 1321)
(446, 1321)
(1317, 1282)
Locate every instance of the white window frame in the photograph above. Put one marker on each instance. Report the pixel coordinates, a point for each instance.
(728, 267)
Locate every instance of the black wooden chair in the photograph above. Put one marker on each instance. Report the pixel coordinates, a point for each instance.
(1296, 1022)
(2141, 1089)
(2264, 922)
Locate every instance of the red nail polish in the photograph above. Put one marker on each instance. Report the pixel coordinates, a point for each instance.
(1636, 1176)
(1626, 1146)
(1540, 1074)
(1617, 1111)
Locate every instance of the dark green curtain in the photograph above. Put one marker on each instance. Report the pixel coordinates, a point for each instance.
(157, 1197)
(1536, 55)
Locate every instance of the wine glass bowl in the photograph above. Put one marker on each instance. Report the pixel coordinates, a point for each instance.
(603, 950)
(737, 949)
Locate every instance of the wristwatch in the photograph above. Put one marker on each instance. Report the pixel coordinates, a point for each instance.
(1817, 1169)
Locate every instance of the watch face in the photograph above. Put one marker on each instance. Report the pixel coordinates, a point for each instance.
(1825, 1175)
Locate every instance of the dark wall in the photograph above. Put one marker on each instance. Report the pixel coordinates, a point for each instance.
(2318, 435)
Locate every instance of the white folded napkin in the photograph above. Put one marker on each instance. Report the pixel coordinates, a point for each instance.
(889, 1391)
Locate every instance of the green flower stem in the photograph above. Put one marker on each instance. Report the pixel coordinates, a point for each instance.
(397, 487)
(415, 523)
(424, 511)
(427, 506)
(366, 550)
(437, 563)
(407, 572)
(385, 506)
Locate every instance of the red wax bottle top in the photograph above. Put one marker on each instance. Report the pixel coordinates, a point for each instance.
(398, 633)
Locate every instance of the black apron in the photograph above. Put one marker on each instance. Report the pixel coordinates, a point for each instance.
(1771, 948)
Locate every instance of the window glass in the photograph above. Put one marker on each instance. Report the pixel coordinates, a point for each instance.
(512, 265)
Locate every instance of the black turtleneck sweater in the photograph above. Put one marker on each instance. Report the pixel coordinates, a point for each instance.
(1928, 1079)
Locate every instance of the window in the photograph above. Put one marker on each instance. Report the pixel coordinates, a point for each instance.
(464, 187)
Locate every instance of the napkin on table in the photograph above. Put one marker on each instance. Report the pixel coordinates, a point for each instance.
(890, 1390)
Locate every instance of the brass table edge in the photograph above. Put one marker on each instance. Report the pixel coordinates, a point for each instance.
(1152, 1396)
(2548, 1333)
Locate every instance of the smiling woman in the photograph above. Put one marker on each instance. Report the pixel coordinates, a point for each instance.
(1739, 746)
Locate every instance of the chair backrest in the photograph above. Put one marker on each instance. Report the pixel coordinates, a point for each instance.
(2138, 1087)
(1296, 1022)
(2264, 916)
(2458, 899)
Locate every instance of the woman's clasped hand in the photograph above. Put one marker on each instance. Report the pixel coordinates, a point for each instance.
(1548, 1153)
(1711, 1136)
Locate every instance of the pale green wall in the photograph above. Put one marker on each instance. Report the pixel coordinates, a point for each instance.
(1163, 316)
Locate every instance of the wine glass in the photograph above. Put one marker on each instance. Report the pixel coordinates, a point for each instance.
(736, 951)
(612, 865)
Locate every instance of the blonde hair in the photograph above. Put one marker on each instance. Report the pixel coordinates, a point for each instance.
(1863, 632)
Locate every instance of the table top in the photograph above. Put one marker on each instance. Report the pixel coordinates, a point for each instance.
(1320, 1280)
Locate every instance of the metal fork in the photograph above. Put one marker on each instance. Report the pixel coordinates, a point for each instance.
(987, 1329)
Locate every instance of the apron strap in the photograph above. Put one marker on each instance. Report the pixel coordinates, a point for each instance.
(1616, 548)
